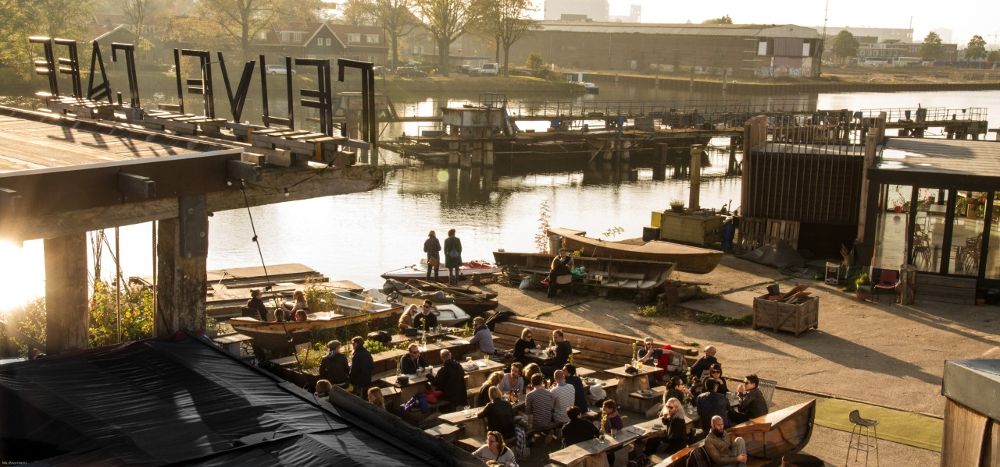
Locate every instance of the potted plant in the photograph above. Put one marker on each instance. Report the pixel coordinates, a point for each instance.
(863, 287)
(677, 205)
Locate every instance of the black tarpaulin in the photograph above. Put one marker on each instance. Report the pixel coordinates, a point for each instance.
(184, 401)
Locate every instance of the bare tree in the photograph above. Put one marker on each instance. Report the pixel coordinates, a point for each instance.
(506, 21)
(396, 18)
(359, 12)
(242, 20)
(446, 20)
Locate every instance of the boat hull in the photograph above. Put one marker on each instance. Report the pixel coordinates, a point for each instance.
(688, 258)
(614, 273)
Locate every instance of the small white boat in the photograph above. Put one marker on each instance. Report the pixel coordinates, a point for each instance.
(591, 88)
(451, 315)
(352, 303)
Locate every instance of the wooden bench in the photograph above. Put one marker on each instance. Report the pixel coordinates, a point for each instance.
(443, 431)
(469, 444)
(647, 400)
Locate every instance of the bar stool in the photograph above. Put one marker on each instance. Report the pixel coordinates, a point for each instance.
(863, 429)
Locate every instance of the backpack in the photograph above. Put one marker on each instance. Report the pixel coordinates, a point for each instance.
(699, 458)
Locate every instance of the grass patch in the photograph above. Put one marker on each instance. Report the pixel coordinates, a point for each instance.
(719, 320)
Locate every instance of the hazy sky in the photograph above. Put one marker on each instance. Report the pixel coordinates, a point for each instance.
(963, 17)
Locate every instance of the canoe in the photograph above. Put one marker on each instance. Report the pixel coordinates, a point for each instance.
(768, 437)
(688, 258)
(471, 270)
(352, 303)
(323, 320)
(599, 272)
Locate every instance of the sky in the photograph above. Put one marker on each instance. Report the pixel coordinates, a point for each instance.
(963, 18)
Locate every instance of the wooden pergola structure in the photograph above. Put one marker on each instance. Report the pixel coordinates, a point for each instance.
(62, 176)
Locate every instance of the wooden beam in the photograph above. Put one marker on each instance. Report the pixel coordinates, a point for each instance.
(66, 303)
(310, 182)
(180, 287)
(9, 199)
(241, 170)
(135, 187)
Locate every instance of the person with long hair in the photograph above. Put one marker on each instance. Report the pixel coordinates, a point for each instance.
(433, 249)
(483, 397)
(523, 344)
(375, 397)
(611, 421)
(675, 437)
(495, 451)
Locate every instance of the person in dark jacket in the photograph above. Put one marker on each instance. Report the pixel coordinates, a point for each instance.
(362, 366)
(563, 351)
(334, 366)
(577, 429)
(752, 403)
(453, 256)
(705, 362)
(499, 414)
(433, 249)
(579, 394)
(256, 306)
(409, 363)
(710, 404)
(675, 437)
(426, 318)
(562, 265)
(451, 380)
(522, 345)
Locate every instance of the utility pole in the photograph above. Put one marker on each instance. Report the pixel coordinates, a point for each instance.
(822, 49)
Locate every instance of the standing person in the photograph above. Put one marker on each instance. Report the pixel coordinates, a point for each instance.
(453, 256)
(433, 249)
(561, 266)
(256, 305)
(362, 365)
(722, 449)
(334, 365)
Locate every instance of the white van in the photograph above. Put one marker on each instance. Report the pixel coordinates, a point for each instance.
(278, 70)
(490, 69)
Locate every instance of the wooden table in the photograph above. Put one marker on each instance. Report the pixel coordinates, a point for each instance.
(590, 453)
(540, 355)
(475, 427)
(412, 387)
(478, 376)
(629, 383)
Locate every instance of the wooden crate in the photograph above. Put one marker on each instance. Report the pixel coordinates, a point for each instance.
(785, 317)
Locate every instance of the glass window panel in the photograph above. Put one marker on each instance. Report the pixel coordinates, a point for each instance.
(928, 229)
(967, 233)
(890, 238)
(993, 257)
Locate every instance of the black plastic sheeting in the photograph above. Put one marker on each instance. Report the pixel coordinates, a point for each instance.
(184, 401)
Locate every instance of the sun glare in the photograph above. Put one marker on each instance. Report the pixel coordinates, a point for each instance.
(20, 275)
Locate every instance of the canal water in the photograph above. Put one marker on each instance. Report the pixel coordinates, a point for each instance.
(359, 236)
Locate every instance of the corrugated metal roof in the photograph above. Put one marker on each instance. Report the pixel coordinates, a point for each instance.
(751, 30)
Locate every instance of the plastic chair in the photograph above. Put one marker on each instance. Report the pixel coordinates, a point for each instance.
(861, 437)
(888, 279)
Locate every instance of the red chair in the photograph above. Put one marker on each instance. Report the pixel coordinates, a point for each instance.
(888, 279)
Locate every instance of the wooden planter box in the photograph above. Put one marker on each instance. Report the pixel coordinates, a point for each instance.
(785, 317)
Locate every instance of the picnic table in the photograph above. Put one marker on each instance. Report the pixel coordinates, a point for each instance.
(590, 453)
(539, 356)
(475, 373)
(632, 382)
(475, 427)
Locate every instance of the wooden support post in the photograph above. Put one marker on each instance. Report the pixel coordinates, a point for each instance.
(182, 248)
(695, 196)
(732, 155)
(488, 156)
(67, 315)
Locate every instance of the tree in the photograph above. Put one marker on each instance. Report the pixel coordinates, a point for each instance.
(994, 56)
(394, 16)
(725, 19)
(359, 12)
(976, 49)
(242, 20)
(535, 62)
(931, 49)
(507, 21)
(20, 19)
(446, 20)
(845, 45)
(140, 14)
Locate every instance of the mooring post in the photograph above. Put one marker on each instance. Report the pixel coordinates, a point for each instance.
(694, 198)
(733, 142)
(66, 303)
(182, 248)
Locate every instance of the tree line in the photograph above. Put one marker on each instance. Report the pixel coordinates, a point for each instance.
(240, 23)
(845, 46)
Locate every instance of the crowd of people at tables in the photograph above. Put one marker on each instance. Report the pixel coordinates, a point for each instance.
(555, 399)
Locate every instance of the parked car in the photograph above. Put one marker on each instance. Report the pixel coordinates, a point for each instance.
(380, 70)
(489, 69)
(410, 72)
(278, 70)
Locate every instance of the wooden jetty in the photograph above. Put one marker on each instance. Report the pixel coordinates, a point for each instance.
(687, 258)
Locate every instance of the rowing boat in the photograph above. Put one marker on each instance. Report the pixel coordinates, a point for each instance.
(768, 437)
(416, 291)
(688, 258)
(471, 270)
(600, 272)
(322, 320)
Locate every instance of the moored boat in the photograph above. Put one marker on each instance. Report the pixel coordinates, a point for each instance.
(770, 437)
(351, 303)
(599, 272)
(321, 320)
(688, 258)
(416, 291)
(472, 270)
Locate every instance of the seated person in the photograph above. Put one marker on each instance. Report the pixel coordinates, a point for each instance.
(565, 396)
(483, 338)
(492, 380)
(412, 361)
(334, 367)
(530, 370)
(524, 343)
(752, 403)
(675, 437)
(495, 452)
(406, 318)
(323, 388)
(677, 390)
(579, 393)
(539, 405)
(376, 398)
(256, 305)
(298, 303)
(451, 380)
(301, 316)
(427, 318)
(577, 429)
(721, 448)
(513, 382)
(705, 362)
(611, 420)
(710, 404)
(715, 373)
(563, 351)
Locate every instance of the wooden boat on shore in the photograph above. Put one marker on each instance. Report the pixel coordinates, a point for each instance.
(472, 270)
(769, 437)
(416, 291)
(688, 258)
(599, 272)
(321, 320)
(353, 303)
